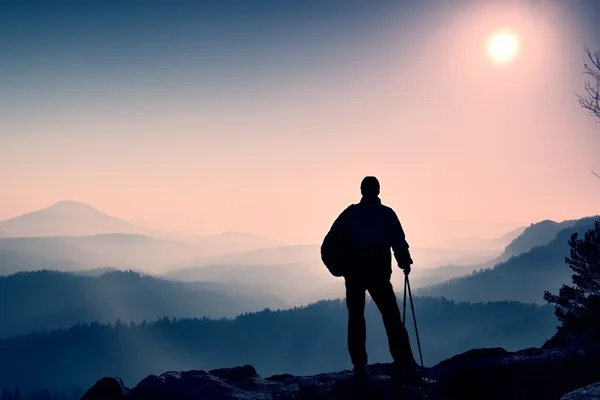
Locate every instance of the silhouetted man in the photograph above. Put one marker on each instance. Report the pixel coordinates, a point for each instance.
(370, 230)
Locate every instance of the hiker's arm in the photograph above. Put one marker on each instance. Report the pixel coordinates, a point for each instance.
(399, 243)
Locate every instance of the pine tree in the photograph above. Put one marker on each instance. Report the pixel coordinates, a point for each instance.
(578, 307)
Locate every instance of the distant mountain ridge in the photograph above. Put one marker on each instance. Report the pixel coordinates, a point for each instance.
(117, 250)
(294, 273)
(71, 235)
(523, 277)
(496, 243)
(265, 269)
(73, 218)
(65, 218)
(13, 261)
(535, 235)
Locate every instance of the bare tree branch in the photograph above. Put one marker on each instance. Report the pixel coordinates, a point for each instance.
(595, 174)
(591, 101)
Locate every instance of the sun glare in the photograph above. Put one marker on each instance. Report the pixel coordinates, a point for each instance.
(503, 47)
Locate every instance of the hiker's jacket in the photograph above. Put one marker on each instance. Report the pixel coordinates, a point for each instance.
(372, 229)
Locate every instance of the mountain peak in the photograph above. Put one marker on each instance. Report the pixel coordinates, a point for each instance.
(73, 205)
(65, 218)
(67, 203)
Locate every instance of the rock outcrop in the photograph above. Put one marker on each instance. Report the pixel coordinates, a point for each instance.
(564, 364)
(589, 392)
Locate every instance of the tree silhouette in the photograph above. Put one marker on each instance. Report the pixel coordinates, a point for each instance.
(578, 306)
(591, 101)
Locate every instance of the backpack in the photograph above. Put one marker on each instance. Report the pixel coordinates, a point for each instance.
(335, 251)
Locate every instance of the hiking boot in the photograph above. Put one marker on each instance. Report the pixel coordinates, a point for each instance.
(360, 372)
(408, 374)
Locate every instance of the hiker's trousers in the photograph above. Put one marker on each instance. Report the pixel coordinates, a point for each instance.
(383, 295)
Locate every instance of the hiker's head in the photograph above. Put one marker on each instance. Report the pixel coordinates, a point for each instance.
(369, 187)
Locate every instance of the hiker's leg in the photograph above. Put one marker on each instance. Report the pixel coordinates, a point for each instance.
(357, 329)
(384, 297)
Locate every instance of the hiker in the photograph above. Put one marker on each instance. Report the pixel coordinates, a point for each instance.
(364, 233)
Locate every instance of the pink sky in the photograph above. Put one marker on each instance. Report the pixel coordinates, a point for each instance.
(461, 146)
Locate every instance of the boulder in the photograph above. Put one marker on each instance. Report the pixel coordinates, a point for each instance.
(553, 372)
(589, 392)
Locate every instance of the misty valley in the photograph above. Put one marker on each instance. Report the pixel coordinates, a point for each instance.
(99, 296)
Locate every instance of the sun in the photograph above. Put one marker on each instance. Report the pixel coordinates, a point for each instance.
(503, 47)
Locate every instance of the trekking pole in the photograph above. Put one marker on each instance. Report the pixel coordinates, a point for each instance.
(404, 312)
(414, 317)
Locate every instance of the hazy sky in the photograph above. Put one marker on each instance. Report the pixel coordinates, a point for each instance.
(263, 116)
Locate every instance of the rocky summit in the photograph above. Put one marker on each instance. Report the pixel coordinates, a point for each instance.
(567, 367)
(589, 392)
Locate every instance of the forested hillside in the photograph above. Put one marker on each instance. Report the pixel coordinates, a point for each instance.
(522, 278)
(302, 340)
(49, 299)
